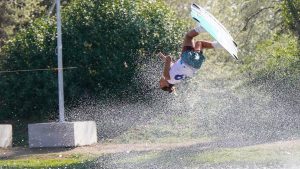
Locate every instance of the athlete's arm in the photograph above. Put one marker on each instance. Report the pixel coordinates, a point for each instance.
(167, 66)
(162, 56)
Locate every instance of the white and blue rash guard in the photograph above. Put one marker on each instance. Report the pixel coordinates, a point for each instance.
(180, 71)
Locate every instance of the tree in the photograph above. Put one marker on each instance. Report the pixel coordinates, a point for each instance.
(291, 13)
(17, 14)
(273, 54)
(105, 40)
(6, 21)
(262, 30)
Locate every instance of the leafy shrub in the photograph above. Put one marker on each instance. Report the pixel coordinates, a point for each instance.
(276, 58)
(26, 92)
(291, 15)
(105, 41)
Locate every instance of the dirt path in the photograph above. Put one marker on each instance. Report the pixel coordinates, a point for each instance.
(93, 150)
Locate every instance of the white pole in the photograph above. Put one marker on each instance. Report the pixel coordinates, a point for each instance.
(60, 65)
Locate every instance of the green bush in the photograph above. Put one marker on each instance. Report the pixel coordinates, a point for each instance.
(105, 40)
(291, 14)
(276, 58)
(24, 93)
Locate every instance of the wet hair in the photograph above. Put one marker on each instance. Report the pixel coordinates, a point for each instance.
(168, 88)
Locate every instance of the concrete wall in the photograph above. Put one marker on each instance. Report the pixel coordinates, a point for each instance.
(67, 134)
(5, 135)
(82, 130)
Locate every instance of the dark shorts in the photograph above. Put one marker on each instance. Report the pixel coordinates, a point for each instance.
(191, 57)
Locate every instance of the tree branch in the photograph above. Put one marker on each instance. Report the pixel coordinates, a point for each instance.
(254, 15)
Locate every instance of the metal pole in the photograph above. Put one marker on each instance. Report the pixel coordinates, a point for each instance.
(60, 65)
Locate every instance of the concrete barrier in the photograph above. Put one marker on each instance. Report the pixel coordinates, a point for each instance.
(5, 135)
(66, 134)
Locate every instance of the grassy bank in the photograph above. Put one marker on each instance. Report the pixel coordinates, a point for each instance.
(281, 152)
(36, 161)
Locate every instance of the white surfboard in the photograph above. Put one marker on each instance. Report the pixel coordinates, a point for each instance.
(215, 29)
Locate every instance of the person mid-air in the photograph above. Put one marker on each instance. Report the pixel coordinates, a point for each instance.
(188, 64)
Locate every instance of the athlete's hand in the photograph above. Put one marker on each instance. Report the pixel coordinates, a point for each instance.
(162, 56)
(168, 59)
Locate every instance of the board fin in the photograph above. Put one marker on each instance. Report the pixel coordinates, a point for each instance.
(235, 43)
(195, 5)
(196, 19)
(235, 57)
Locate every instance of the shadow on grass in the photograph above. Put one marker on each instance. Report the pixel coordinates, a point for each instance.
(216, 154)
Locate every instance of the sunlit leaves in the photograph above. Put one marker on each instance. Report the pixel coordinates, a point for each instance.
(17, 14)
(275, 58)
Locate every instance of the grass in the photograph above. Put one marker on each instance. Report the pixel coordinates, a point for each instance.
(140, 158)
(51, 161)
(164, 129)
(42, 163)
(260, 154)
(175, 139)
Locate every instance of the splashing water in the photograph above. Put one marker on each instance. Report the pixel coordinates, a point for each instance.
(231, 125)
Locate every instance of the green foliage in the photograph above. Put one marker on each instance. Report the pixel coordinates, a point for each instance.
(37, 163)
(276, 58)
(17, 14)
(112, 35)
(105, 40)
(25, 92)
(291, 13)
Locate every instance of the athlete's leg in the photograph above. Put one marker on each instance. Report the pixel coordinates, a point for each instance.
(200, 45)
(189, 37)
